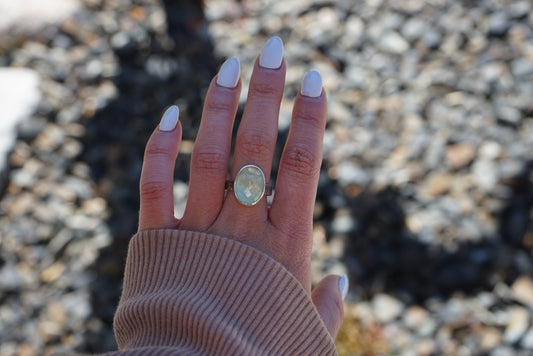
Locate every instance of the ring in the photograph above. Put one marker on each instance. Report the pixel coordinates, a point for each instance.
(249, 185)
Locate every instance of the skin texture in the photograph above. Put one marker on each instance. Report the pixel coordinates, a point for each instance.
(283, 231)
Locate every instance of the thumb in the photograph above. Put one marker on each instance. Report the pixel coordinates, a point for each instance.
(328, 298)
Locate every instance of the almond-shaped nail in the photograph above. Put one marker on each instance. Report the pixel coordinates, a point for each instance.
(169, 119)
(229, 73)
(312, 84)
(272, 53)
(343, 286)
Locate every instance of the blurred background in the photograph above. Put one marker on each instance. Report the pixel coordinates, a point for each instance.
(426, 192)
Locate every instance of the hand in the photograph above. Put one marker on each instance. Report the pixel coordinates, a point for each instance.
(283, 231)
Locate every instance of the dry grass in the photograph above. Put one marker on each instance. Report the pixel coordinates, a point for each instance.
(356, 339)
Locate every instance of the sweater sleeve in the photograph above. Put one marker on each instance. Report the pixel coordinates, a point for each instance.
(190, 293)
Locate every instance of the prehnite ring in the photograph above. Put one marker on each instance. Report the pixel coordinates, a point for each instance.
(249, 185)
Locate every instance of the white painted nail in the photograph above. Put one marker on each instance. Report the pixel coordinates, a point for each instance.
(343, 286)
(312, 84)
(229, 73)
(170, 119)
(272, 53)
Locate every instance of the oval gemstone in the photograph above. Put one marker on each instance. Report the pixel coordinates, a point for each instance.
(249, 185)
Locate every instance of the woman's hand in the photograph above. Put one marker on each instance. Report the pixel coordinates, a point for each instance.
(283, 231)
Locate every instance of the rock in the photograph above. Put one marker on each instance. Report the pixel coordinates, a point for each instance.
(121, 40)
(503, 351)
(522, 68)
(52, 273)
(508, 114)
(32, 15)
(19, 96)
(522, 290)
(353, 32)
(414, 316)
(351, 173)
(92, 70)
(386, 308)
(432, 38)
(485, 174)
(454, 311)
(394, 43)
(460, 155)
(80, 188)
(527, 340)
(30, 127)
(490, 150)
(498, 24)
(408, 6)
(520, 9)
(9, 278)
(490, 338)
(414, 28)
(363, 311)
(51, 138)
(517, 325)
(510, 169)
(425, 347)
(24, 178)
(343, 223)
(181, 192)
(437, 184)
(95, 207)
(358, 77)
(434, 152)
(76, 306)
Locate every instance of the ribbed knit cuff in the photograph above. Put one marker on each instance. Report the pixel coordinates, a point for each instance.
(204, 294)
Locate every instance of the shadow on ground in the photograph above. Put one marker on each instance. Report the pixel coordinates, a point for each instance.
(383, 256)
(171, 69)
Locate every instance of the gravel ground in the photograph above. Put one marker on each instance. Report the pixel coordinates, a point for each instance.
(426, 193)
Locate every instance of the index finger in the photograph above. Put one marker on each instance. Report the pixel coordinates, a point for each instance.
(292, 208)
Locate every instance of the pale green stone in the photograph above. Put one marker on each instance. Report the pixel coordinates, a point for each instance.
(249, 185)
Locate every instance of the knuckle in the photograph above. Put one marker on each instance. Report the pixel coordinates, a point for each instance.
(300, 162)
(312, 118)
(154, 148)
(255, 144)
(151, 190)
(219, 106)
(209, 160)
(263, 90)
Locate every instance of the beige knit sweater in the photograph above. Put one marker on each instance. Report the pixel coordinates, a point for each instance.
(190, 293)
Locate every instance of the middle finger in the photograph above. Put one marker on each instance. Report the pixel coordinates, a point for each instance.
(211, 152)
(256, 137)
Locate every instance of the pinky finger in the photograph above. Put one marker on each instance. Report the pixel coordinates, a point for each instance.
(156, 194)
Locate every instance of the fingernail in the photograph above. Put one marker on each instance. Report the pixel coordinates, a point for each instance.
(170, 119)
(229, 73)
(272, 53)
(343, 286)
(312, 84)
